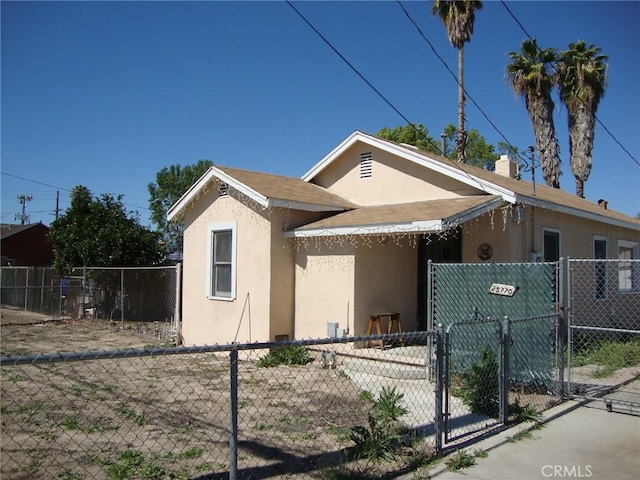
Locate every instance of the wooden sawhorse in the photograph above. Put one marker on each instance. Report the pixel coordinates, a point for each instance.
(392, 317)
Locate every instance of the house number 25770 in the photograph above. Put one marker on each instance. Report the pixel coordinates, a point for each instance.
(501, 289)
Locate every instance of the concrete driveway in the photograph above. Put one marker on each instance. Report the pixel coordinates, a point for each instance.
(578, 440)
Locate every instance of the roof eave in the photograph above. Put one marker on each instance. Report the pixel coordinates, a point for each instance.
(197, 188)
(536, 202)
(304, 206)
(416, 156)
(428, 226)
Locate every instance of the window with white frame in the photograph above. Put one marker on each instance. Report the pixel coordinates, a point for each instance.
(627, 270)
(221, 262)
(600, 268)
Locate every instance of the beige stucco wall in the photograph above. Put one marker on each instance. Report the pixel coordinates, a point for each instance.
(346, 284)
(513, 240)
(325, 283)
(264, 276)
(394, 180)
(386, 281)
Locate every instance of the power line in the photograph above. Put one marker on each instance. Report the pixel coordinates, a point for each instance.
(388, 102)
(61, 188)
(556, 70)
(455, 77)
(355, 70)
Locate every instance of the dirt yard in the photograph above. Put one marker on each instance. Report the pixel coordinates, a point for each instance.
(164, 416)
(26, 333)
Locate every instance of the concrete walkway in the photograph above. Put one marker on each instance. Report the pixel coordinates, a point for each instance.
(578, 440)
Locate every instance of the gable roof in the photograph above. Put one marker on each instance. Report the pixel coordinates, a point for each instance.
(413, 217)
(267, 190)
(510, 189)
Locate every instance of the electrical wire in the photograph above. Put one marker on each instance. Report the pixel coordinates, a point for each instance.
(387, 101)
(61, 188)
(455, 77)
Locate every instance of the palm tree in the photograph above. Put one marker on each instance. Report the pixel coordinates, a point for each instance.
(458, 18)
(582, 77)
(531, 76)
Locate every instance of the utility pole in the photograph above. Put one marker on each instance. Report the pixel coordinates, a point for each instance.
(23, 199)
(57, 203)
(533, 169)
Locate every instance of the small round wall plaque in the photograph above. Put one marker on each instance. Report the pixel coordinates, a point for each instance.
(485, 251)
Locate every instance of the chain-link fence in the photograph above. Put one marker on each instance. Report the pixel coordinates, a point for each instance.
(603, 348)
(146, 296)
(35, 289)
(315, 409)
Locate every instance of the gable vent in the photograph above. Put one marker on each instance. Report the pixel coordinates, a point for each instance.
(223, 189)
(366, 165)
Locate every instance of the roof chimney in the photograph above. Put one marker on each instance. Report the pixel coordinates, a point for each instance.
(506, 167)
(602, 203)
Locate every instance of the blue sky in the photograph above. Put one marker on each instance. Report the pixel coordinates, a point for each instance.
(106, 94)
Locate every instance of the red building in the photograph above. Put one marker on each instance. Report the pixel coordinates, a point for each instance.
(25, 245)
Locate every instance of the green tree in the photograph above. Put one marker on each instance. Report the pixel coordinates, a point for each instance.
(171, 183)
(458, 18)
(479, 152)
(416, 135)
(531, 76)
(582, 78)
(98, 232)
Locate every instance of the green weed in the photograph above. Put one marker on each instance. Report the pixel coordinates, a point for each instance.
(139, 419)
(297, 355)
(609, 356)
(192, 452)
(480, 386)
(381, 438)
(460, 460)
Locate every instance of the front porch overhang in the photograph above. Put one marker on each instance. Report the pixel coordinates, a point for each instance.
(431, 216)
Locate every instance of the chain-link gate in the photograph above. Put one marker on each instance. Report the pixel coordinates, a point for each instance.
(603, 347)
(472, 386)
(502, 343)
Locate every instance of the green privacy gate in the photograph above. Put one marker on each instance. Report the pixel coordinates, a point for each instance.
(463, 291)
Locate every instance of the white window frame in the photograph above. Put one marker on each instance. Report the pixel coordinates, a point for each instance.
(211, 230)
(632, 276)
(600, 277)
(551, 230)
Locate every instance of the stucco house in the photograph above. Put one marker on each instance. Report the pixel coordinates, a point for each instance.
(268, 257)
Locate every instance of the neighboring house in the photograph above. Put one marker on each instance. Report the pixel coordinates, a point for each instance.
(268, 257)
(26, 245)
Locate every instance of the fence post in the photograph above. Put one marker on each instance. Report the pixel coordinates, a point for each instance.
(505, 346)
(26, 291)
(559, 325)
(122, 297)
(439, 339)
(233, 426)
(568, 316)
(178, 304)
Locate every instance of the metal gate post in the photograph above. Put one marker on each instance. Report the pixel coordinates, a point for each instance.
(559, 324)
(569, 315)
(233, 426)
(505, 346)
(439, 418)
(430, 325)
